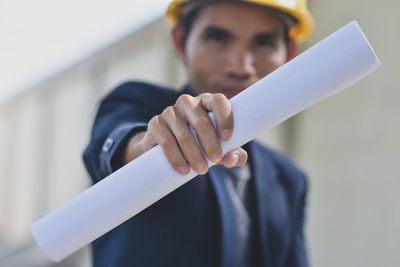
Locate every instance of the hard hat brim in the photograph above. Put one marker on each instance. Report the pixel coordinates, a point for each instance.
(298, 33)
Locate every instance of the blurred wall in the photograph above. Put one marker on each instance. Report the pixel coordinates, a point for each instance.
(347, 144)
(45, 130)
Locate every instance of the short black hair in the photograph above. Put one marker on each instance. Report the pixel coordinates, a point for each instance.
(188, 18)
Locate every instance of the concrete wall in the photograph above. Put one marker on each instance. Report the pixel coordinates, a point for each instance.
(347, 144)
(45, 130)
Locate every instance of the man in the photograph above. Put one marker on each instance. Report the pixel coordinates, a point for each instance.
(240, 212)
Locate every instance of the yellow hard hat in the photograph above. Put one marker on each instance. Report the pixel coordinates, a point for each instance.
(296, 8)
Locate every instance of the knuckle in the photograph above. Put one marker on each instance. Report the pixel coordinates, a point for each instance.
(154, 121)
(166, 142)
(184, 136)
(184, 99)
(205, 95)
(218, 97)
(168, 111)
(201, 122)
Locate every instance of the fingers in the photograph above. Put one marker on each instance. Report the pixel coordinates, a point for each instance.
(198, 118)
(163, 136)
(221, 108)
(186, 140)
(172, 132)
(235, 158)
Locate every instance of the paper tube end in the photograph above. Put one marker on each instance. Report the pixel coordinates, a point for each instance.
(36, 235)
(377, 62)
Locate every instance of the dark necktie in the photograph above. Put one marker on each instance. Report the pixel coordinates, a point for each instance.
(237, 180)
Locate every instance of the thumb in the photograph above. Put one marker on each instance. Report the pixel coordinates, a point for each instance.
(234, 158)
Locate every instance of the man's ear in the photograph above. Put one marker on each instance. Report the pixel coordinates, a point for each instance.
(178, 38)
(293, 48)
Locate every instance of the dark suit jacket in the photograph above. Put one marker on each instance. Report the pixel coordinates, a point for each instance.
(195, 224)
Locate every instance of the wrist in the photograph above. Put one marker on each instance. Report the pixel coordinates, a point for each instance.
(133, 147)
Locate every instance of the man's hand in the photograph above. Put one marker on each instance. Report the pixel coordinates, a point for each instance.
(171, 131)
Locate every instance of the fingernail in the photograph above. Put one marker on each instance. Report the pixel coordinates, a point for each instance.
(235, 159)
(202, 169)
(215, 158)
(225, 134)
(183, 169)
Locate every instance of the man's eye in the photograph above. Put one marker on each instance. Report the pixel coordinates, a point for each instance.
(216, 37)
(269, 42)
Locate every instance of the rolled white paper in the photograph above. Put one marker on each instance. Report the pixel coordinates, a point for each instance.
(328, 67)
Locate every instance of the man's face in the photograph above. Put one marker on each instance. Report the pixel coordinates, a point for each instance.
(231, 46)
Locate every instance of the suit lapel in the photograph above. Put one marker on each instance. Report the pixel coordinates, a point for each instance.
(263, 173)
(227, 217)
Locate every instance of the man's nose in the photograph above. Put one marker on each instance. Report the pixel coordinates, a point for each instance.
(240, 63)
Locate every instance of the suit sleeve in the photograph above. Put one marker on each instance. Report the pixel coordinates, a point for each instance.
(125, 111)
(298, 252)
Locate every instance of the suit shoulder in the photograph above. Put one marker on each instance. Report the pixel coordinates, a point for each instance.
(141, 89)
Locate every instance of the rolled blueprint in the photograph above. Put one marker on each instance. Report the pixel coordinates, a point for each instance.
(328, 67)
